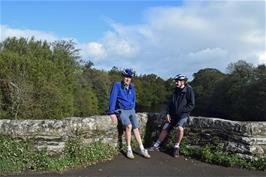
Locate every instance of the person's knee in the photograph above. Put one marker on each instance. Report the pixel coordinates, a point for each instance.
(180, 129)
(129, 127)
(135, 129)
(134, 123)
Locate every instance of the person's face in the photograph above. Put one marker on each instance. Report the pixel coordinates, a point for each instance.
(180, 83)
(127, 80)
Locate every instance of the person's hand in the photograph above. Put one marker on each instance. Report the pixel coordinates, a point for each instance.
(168, 118)
(114, 118)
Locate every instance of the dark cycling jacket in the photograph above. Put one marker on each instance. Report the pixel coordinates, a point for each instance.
(182, 102)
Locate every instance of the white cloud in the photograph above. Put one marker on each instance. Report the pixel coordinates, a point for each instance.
(191, 37)
(92, 49)
(6, 32)
(178, 39)
(117, 44)
(262, 58)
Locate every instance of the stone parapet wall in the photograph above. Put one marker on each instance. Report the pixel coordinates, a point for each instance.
(246, 138)
(54, 134)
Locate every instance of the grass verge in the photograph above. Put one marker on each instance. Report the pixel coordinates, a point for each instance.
(21, 156)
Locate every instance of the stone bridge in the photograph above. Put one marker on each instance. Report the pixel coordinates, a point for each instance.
(244, 138)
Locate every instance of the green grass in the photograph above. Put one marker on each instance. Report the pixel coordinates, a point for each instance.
(215, 155)
(16, 157)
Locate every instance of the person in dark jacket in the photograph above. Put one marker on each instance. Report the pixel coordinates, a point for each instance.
(122, 106)
(180, 105)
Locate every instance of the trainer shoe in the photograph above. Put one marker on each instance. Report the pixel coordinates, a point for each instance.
(154, 148)
(130, 155)
(176, 152)
(145, 154)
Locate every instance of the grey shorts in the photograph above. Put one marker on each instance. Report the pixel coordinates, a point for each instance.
(128, 117)
(176, 122)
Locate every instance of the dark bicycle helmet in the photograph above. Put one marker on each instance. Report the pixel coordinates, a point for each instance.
(127, 72)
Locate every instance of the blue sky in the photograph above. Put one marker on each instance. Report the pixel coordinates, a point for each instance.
(84, 20)
(161, 37)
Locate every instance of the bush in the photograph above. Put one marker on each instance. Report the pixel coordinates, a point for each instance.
(19, 156)
(37, 78)
(215, 155)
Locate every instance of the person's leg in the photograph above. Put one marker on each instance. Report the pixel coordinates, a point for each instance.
(128, 135)
(124, 116)
(179, 136)
(137, 136)
(163, 135)
(135, 124)
(136, 131)
(165, 131)
(128, 140)
(161, 138)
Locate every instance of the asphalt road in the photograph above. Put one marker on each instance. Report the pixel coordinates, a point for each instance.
(160, 164)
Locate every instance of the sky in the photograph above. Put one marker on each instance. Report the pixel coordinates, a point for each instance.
(161, 37)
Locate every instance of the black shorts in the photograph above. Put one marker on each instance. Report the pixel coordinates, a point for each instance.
(181, 122)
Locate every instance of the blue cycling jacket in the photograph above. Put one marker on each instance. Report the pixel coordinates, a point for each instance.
(122, 97)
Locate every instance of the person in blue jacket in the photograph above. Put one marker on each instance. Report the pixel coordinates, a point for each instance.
(180, 105)
(122, 106)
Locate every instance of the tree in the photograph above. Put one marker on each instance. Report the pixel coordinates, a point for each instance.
(255, 96)
(203, 84)
(40, 78)
(100, 84)
(115, 74)
(241, 76)
(153, 90)
(85, 102)
(238, 95)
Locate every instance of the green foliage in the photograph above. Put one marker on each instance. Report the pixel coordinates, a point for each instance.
(115, 74)
(99, 83)
(40, 80)
(93, 153)
(101, 86)
(18, 156)
(37, 78)
(85, 99)
(260, 164)
(203, 84)
(206, 154)
(151, 90)
(215, 155)
(238, 95)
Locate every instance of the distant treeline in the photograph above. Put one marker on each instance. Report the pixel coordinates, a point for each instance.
(238, 95)
(41, 80)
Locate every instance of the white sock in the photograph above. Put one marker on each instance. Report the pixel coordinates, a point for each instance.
(129, 148)
(177, 145)
(157, 144)
(141, 147)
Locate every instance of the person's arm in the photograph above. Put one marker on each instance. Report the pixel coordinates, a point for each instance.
(168, 117)
(113, 99)
(190, 102)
